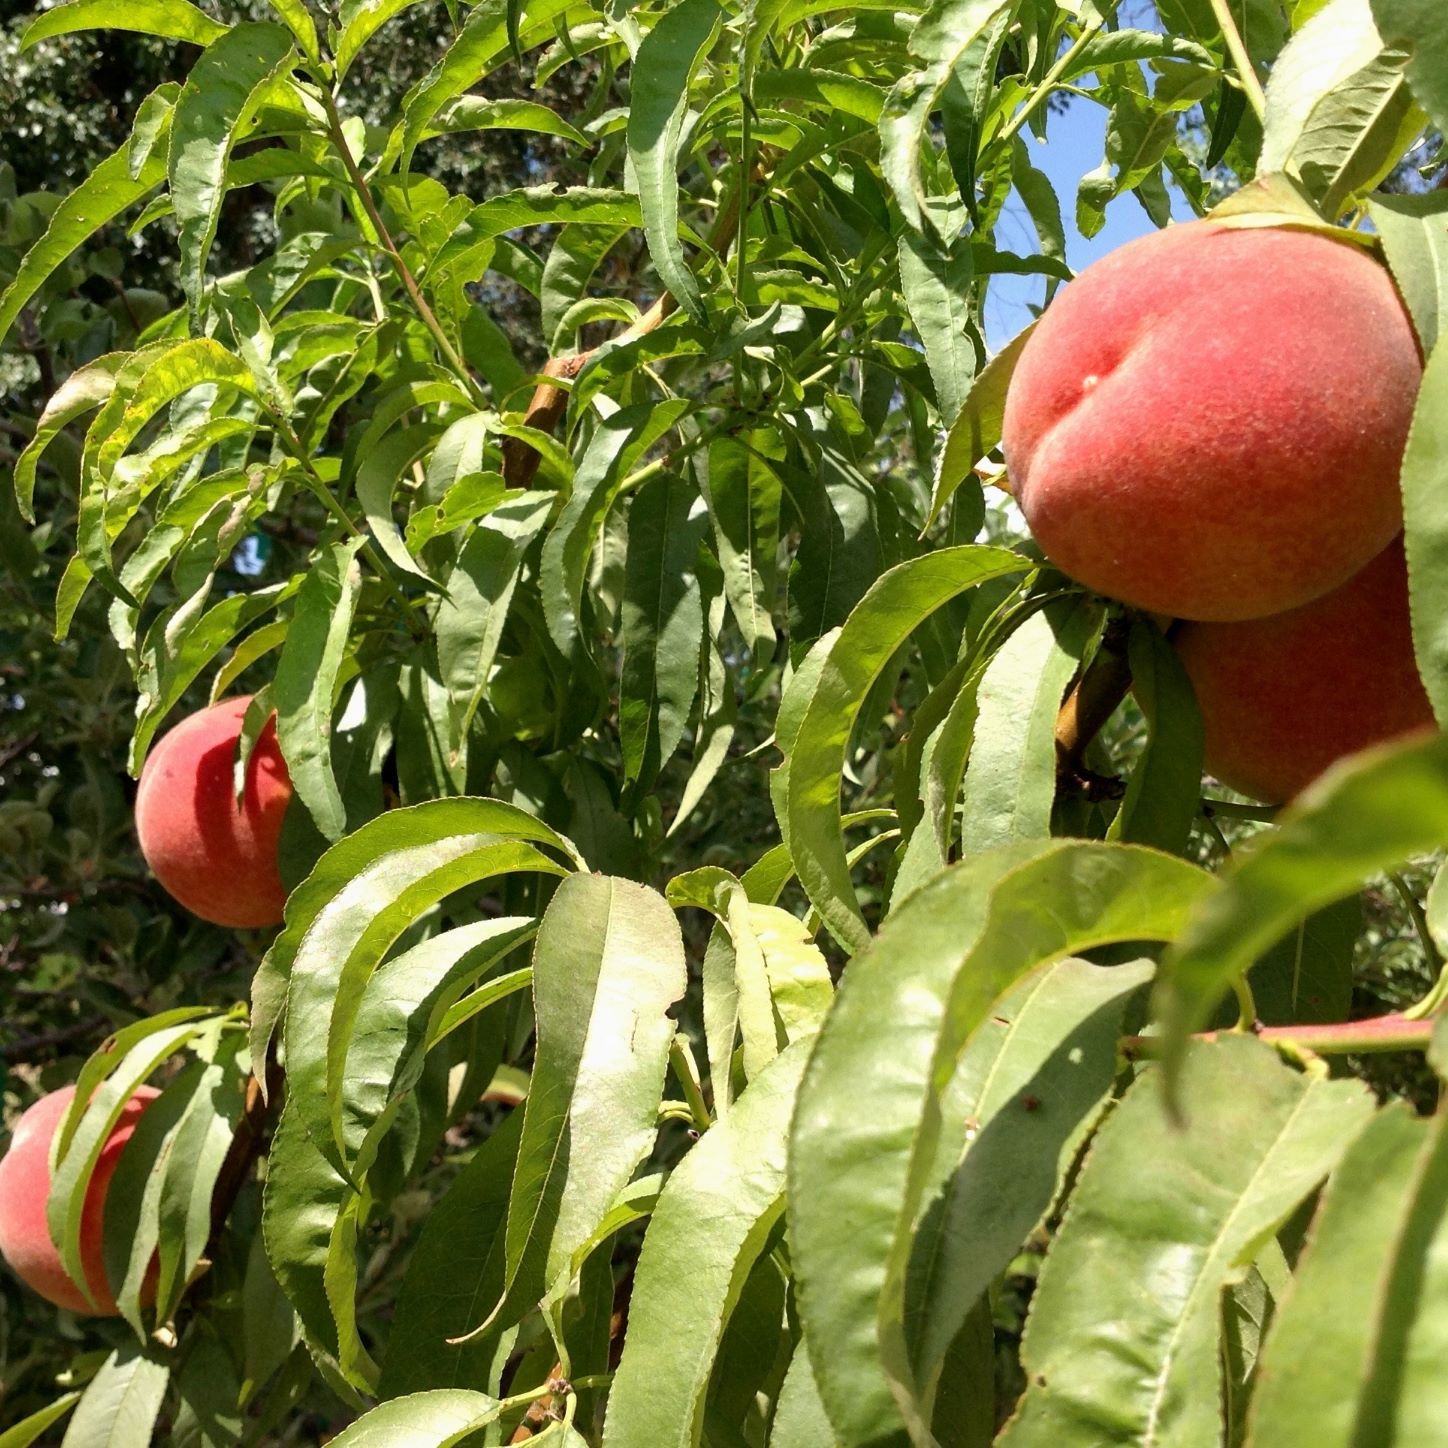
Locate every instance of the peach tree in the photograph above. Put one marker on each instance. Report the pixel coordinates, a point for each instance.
(769, 955)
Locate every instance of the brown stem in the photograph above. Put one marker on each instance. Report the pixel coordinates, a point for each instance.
(384, 237)
(549, 401)
(1091, 702)
(1381, 1033)
(247, 1145)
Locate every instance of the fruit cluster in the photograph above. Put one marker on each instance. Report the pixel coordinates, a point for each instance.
(1209, 425)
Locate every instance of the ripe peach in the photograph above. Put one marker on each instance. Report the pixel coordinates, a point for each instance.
(219, 860)
(1283, 697)
(24, 1185)
(1209, 422)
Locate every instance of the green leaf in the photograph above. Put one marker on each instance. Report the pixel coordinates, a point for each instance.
(479, 47)
(377, 477)
(1164, 791)
(936, 278)
(173, 19)
(1362, 817)
(1332, 1374)
(712, 1221)
(1416, 241)
(799, 1415)
(900, 601)
(607, 964)
(220, 98)
(25, 1432)
(470, 620)
(977, 430)
(1331, 48)
(1307, 976)
(1030, 1086)
(1357, 133)
(298, 20)
(121, 1403)
(476, 113)
(84, 390)
(441, 1418)
(933, 973)
(1185, 1208)
(744, 497)
(106, 192)
(1010, 786)
(359, 863)
(1422, 27)
(1425, 526)
(360, 21)
(661, 626)
(942, 35)
(615, 446)
(659, 99)
(456, 1271)
(306, 681)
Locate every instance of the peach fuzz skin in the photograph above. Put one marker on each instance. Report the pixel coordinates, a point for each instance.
(1284, 697)
(24, 1185)
(1209, 422)
(216, 859)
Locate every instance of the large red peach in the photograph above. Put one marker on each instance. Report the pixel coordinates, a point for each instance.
(215, 856)
(1284, 697)
(1209, 422)
(24, 1185)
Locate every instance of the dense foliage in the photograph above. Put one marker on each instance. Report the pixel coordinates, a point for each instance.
(720, 975)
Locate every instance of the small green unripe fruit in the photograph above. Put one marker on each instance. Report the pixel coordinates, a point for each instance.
(25, 1242)
(1284, 697)
(216, 857)
(1209, 422)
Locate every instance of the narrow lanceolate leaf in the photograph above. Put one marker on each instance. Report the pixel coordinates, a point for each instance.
(977, 430)
(106, 192)
(659, 101)
(661, 626)
(596, 486)
(84, 390)
(1414, 230)
(901, 600)
(799, 1415)
(471, 618)
(936, 276)
(1360, 818)
(607, 965)
(360, 21)
(1164, 791)
(1338, 1376)
(173, 19)
(354, 873)
(1030, 1085)
(28, 1430)
(1321, 57)
(480, 46)
(121, 1403)
(306, 680)
(941, 37)
(933, 973)
(455, 1272)
(744, 502)
(1420, 27)
(1172, 1205)
(710, 1225)
(1425, 526)
(1010, 786)
(436, 1419)
(218, 100)
(1357, 133)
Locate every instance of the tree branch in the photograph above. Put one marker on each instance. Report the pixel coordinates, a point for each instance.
(1088, 706)
(1382, 1033)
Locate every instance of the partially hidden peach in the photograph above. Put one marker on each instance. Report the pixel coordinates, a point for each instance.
(24, 1186)
(1284, 697)
(1209, 422)
(216, 857)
